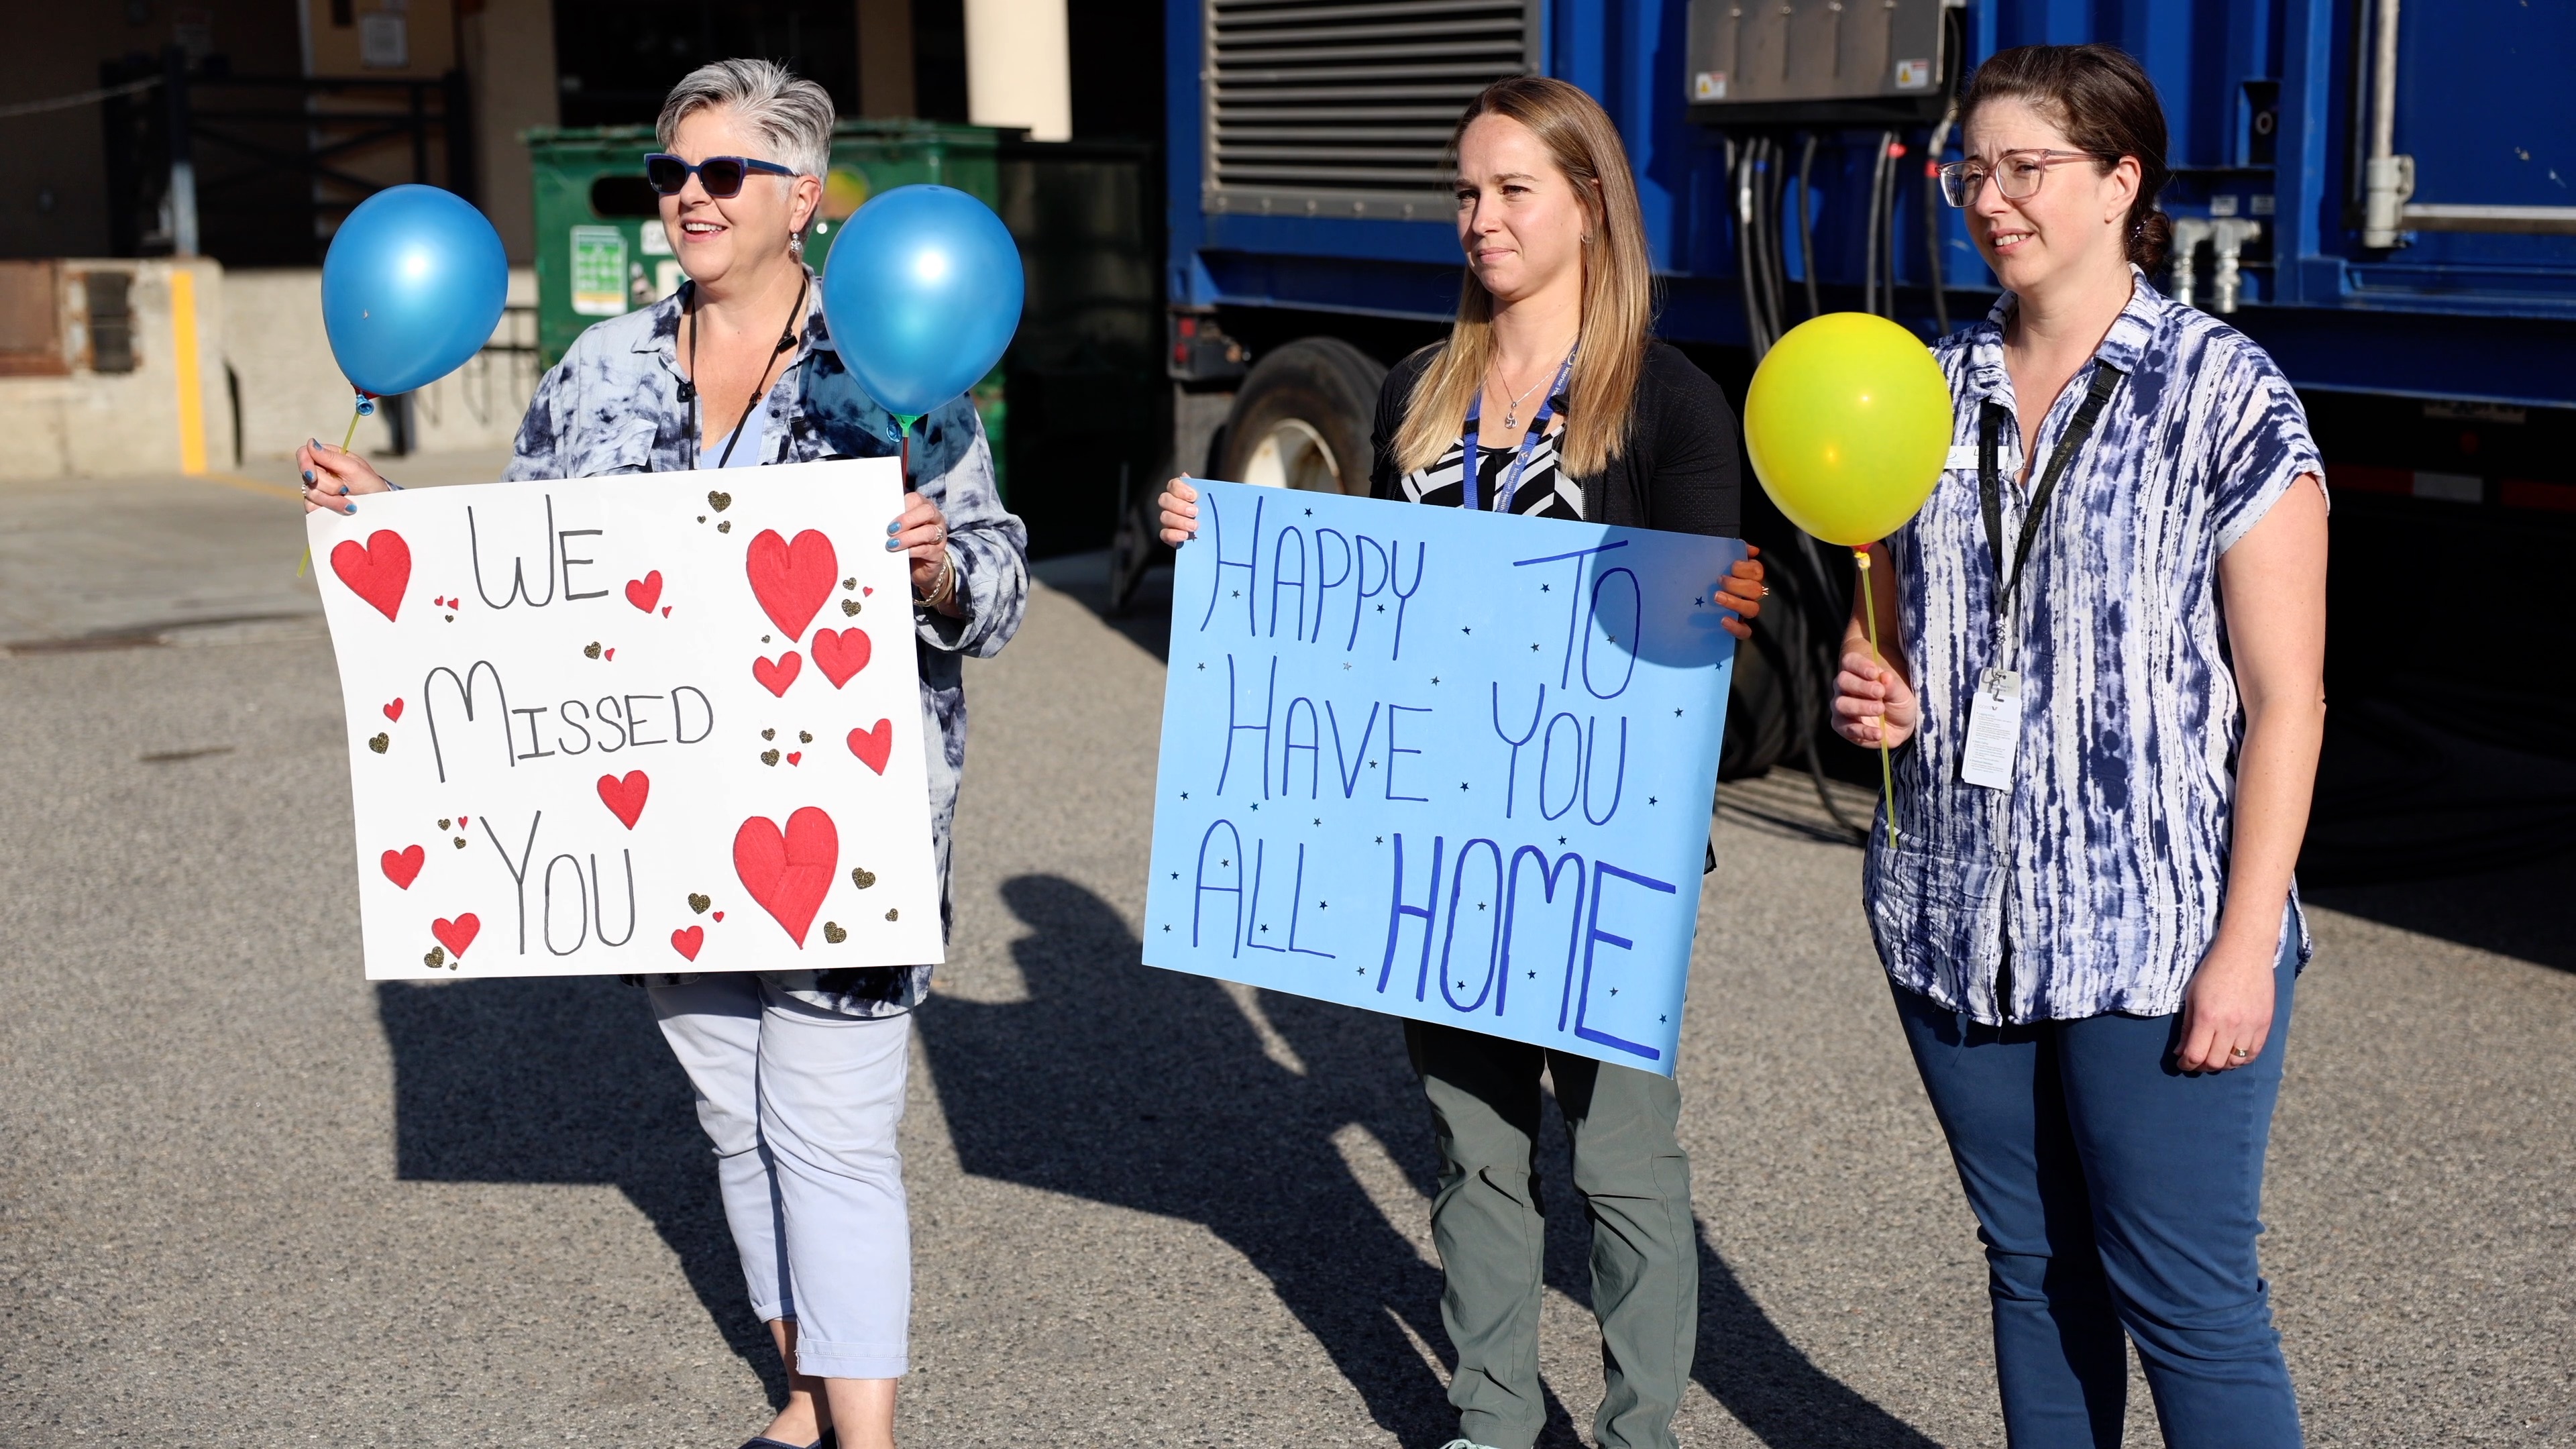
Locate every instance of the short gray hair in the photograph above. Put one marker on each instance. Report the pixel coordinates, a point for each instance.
(793, 113)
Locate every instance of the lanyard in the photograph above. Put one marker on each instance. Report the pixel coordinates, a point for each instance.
(759, 390)
(1471, 454)
(2106, 380)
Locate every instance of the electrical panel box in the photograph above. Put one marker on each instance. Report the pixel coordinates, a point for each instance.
(1820, 62)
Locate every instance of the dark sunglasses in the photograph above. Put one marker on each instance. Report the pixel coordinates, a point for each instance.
(722, 175)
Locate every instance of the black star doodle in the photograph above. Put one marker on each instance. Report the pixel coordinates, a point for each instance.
(1266, 931)
(1319, 819)
(1167, 930)
(1542, 588)
(1186, 794)
(1651, 800)
(1225, 862)
(1381, 608)
(1677, 714)
(1560, 840)
(1238, 593)
(1613, 990)
(1176, 875)
(1381, 840)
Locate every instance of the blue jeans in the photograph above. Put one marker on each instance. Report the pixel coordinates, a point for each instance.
(2115, 1193)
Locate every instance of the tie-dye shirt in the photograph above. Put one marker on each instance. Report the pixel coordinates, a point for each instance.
(613, 406)
(2102, 872)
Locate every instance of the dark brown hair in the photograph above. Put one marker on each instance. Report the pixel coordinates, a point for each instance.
(2101, 98)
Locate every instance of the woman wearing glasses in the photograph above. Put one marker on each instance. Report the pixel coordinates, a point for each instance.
(1572, 411)
(2109, 695)
(799, 1074)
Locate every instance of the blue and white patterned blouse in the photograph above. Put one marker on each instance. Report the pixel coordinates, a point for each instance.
(613, 406)
(2104, 867)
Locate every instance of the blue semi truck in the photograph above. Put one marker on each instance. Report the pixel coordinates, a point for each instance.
(2382, 194)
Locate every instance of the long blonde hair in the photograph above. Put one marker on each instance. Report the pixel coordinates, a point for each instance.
(1618, 289)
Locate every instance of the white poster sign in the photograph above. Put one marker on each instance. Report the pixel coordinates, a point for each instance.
(633, 724)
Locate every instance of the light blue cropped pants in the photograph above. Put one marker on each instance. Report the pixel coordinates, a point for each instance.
(802, 1106)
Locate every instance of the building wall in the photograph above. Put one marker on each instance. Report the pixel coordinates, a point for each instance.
(89, 424)
(57, 199)
(510, 63)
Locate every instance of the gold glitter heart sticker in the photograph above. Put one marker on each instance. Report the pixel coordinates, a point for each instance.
(590, 650)
(720, 501)
(803, 738)
(833, 933)
(862, 877)
(770, 757)
(446, 825)
(850, 608)
(699, 903)
(381, 743)
(769, 734)
(436, 958)
(890, 915)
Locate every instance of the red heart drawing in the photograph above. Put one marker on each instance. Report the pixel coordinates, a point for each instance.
(776, 676)
(377, 573)
(460, 822)
(841, 654)
(788, 873)
(867, 591)
(402, 867)
(645, 592)
(795, 757)
(394, 710)
(872, 746)
(625, 798)
(719, 915)
(457, 934)
(687, 942)
(666, 611)
(791, 580)
(609, 654)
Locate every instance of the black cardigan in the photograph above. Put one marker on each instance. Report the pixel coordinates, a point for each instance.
(1676, 472)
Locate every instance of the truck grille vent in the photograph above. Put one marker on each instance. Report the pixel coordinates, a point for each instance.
(1343, 109)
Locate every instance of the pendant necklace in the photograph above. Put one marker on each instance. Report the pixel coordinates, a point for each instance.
(1512, 412)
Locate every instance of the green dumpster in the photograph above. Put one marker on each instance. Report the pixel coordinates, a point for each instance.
(601, 251)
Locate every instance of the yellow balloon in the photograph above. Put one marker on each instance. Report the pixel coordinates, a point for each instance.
(1848, 423)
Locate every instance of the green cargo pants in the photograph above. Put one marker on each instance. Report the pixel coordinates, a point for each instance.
(1635, 1184)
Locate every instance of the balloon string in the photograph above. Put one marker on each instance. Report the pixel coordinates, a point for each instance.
(1886, 767)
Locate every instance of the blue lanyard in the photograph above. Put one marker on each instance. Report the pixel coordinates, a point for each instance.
(1471, 455)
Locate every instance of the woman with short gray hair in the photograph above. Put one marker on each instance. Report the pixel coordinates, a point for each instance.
(799, 1073)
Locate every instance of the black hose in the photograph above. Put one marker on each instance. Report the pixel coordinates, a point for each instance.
(1932, 209)
(1806, 232)
(1869, 236)
(1737, 159)
(1775, 237)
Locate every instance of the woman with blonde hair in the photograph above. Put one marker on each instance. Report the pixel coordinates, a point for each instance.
(1570, 410)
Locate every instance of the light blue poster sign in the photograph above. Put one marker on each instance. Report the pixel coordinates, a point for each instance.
(1453, 766)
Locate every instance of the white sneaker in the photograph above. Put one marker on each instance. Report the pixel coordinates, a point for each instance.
(1462, 1444)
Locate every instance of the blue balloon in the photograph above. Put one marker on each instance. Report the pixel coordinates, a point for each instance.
(411, 288)
(922, 292)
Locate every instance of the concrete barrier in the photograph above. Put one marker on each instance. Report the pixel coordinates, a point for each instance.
(219, 368)
(162, 405)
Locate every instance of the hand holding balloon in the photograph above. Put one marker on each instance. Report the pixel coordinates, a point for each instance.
(922, 294)
(1848, 425)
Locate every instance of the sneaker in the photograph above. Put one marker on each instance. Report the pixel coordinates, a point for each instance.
(1462, 1444)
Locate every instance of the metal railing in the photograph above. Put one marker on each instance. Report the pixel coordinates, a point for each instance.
(258, 169)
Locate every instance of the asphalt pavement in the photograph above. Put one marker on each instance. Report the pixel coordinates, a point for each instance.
(249, 1198)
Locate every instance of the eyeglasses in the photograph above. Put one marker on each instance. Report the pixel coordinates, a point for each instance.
(722, 175)
(2016, 175)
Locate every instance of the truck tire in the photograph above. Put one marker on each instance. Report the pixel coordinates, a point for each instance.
(1302, 419)
(1760, 722)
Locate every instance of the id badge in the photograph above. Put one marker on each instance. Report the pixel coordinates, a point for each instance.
(1994, 730)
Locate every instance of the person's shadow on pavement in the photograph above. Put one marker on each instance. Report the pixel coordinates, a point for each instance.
(1148, 1089)
(566, 1080)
